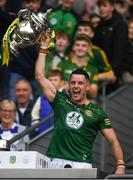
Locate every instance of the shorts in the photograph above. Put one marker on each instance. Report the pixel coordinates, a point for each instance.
(62, 163)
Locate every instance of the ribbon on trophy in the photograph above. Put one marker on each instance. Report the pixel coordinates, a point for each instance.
(52, 42)
(25, 31)
(7, 41)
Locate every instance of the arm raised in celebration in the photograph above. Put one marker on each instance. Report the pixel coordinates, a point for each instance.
(46, 86)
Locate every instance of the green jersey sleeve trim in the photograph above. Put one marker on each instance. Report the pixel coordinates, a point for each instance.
(104, 121)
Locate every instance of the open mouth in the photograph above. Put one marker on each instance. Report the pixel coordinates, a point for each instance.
(76, 92)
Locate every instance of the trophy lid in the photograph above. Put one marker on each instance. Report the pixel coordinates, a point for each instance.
(40, 18)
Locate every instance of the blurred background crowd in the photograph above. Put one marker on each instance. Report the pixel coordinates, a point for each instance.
(96, 35)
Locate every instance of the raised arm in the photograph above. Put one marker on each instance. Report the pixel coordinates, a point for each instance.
(46, 86)
(117, 150)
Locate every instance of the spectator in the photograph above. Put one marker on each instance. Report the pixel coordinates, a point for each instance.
(22, 66)
(86, 8)
(81, 46)
(85, 27)
(48, 4)
(91, 6)
(112, 35)
(96, 55)
(9, 128)
(79, 7)
(121, 7)
(5, 19)
(95, 20)
(64, 18)
(128, 66)
(32, 5)
(59, 52)
(24, 103)
(130, 29)
(85, 16)
(42, 108)
(77, 121)
(130, 8)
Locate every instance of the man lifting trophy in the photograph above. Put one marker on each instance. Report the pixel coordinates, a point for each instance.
(24, 31)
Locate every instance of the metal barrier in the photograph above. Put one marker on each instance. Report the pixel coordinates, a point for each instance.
(5, 144)
(28, 130)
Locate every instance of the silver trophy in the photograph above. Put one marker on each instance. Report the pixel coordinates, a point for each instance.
(28, 30)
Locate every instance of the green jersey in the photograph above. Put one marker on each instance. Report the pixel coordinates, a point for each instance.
(98, 57)
(63, 20)
(67, 66)
(52, 61)
(75, 129)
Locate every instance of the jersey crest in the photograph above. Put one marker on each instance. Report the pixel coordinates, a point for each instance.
(88, 113)
(74, 120)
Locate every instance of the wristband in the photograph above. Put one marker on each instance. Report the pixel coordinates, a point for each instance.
(120, 162)
(121, 166)
(43, 51)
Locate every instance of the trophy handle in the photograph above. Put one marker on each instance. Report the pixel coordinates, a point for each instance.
(48, 12)
(24, 13)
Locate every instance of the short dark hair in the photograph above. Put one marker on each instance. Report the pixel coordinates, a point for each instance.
(99, 2)
(84, 23)
(93, 15)
(82, 37)
(122, 3)
(80, 71)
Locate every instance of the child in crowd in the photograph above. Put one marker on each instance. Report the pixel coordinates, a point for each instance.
(95, 20)
(59, 52)
(42, 108)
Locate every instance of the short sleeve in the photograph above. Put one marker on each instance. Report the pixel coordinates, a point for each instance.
(94, 79)
(104, 121)
(58, 98)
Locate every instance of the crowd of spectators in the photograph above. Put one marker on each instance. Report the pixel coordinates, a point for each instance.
(96, 35)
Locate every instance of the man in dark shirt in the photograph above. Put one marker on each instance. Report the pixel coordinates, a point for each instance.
(24, 103)
(112, 35)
